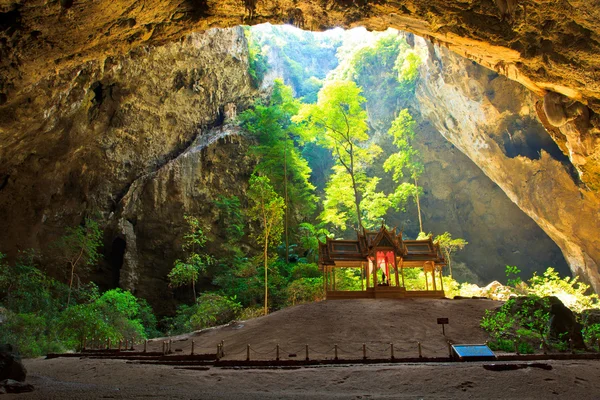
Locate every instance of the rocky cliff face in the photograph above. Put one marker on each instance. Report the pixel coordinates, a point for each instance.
(460, 199)
(80, 138)
(493, 121)
(149, 226)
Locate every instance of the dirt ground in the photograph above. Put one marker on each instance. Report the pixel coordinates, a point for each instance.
(349, 324)
(346, 323)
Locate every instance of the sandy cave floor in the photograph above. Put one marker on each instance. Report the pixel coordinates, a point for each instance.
(347, 323)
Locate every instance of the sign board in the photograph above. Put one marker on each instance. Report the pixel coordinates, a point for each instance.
(472, 352)
(442, 321)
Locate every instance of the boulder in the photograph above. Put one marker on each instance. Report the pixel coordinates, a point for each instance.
(563, 320)
(11, 366)
(12, 386)
(590, 316)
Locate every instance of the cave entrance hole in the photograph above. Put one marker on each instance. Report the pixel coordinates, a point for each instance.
(115, 259)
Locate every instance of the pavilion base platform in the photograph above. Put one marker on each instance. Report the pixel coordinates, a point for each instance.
(384, 292)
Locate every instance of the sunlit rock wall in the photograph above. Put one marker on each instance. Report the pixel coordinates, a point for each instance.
(493, 121)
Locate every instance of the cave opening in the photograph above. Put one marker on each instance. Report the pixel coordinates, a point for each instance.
(395, 73)
(115, 259)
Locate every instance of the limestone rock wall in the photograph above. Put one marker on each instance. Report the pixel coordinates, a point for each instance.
(150, 217)
(80, 138)
(459, 198)
(489, 118)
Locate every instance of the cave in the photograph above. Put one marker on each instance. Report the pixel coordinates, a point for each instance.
(478, 119)
(115, 260)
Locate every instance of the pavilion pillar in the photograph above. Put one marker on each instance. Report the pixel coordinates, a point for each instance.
(396, 268)
(333, 272)
(402, 271)
(433, 279)
(426, 281)
(441, 279)
(375, 271)
(362, 274)
(368, 275)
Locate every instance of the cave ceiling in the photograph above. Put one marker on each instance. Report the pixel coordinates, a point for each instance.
(548, 46)
(545, 45)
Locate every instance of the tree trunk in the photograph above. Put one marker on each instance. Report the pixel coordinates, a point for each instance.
(266, 282)
(70, 284)
(419, 206)
(357, 202)
(194, 290)
(285, 186)
(449, 263)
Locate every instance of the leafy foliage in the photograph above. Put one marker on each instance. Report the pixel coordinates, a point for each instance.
(267, 208)
(186, 272)
(339, 123)
(78, 249)
(449, 246)
(279, 156)
(231, 216)
(38, 320)
(257, 61)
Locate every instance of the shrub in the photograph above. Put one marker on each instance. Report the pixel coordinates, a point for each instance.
(251, 312)
(305, 290)
(214, 309)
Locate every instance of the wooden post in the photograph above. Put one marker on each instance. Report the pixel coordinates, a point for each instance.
(192, 352)
(449, 349)
(277, 352)
(108, 344)
(333, 272)
(248, 352)
(362, 270)
(402, 272)
(170, 346)
(368, 275)
(441, 279)
(426, 282)
(420, 353)
(376, 271)
(392, 350)
(222, 347)
(364, 351)
(307, 353)
(132, 340)
(336, 352)
(218, 351)
(85, 340)
(119, 345)
(397, 272)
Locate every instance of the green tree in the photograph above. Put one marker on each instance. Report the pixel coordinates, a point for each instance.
(338, 122)
(405, 161)
(231, 216)
(186, 272)
(279, 158)
(78, 248)
(267, 208)
(449, 246)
